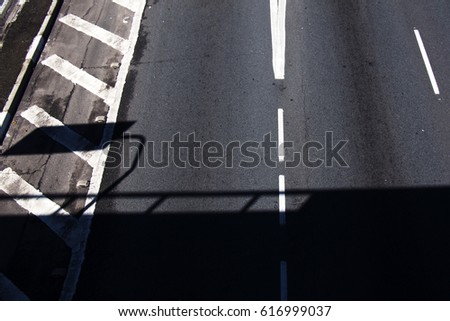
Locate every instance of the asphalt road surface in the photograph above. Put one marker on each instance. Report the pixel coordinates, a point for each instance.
(372, 227)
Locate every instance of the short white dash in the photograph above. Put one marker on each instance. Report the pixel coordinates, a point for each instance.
(97, 32)
(131, 5)
(282, 200)
(65, 136)
(427, 62)
(79, 77)
(278, 28)
(36, 203)
(281, 153)
(283, 281)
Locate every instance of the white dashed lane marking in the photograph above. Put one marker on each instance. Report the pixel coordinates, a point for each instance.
(281, 135)
(426, 60)
(79, 145)
(282, 199)
(80, 77)
(35, 202)
(278, 27)
(105, 36)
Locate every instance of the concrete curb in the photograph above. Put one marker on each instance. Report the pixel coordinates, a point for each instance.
(31, 60)
(8, 14)
(4, 8)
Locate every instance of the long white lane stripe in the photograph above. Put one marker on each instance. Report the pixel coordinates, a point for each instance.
(132, 5)
(65, 136)
(97, 32)
(282, 199)
(79, 77)
(278, 28)
(426, 60)
(283, 281)
(282, 38)
(281, 155)
(38, 204)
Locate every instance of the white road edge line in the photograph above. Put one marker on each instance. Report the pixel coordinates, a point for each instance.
(281, 153)
(105, 36)
(283, 281)
(278, 28)
(427, 62)
(35, 202)
(282, 199)
(66, 137)
(80, 77)
(77, 258)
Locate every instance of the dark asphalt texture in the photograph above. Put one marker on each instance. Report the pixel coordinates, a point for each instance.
(377, 230)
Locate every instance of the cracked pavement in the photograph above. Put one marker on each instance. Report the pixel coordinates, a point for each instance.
(47, 165)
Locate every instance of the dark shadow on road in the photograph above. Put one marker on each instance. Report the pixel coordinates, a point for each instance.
(374, 244)
(33, 257)
(340, 245)
(39, 141)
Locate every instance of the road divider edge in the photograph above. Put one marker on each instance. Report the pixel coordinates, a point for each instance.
(31, 60)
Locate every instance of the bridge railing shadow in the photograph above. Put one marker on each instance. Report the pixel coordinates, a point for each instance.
(340, 244)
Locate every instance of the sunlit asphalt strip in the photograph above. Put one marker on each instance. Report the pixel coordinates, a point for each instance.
(137, 6)
(278, 27)
(426, 60)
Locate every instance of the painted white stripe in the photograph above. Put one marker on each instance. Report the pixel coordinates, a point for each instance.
(423, 51)
(283, 281)
(281, 153)
(77, 258)
(97, 32)
(278, 28)
(79, 77)
(36, 203)
(132, 5)
(65, 136)
(282, 199)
